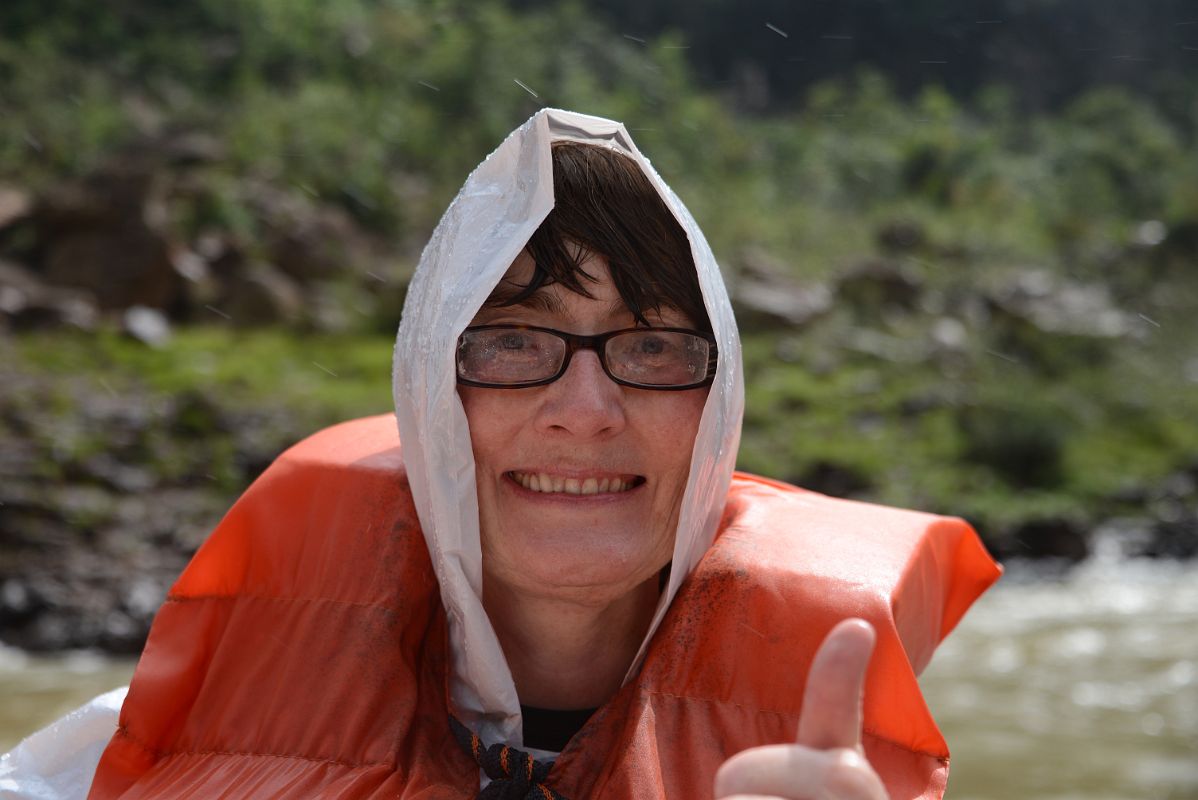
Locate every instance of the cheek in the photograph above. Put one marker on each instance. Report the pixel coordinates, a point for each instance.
(674, 427)
(486, 416)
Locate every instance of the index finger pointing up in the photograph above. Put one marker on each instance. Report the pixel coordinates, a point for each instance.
(831, 715)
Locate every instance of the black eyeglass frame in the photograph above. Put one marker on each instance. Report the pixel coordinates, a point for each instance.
(596, 344)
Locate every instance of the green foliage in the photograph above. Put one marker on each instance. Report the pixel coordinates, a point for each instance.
(1019, 441)
(382, 107)
(326, 377)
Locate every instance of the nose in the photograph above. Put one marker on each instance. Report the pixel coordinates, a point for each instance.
(583, 402)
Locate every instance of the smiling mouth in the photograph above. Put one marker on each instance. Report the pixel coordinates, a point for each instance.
(556, 484)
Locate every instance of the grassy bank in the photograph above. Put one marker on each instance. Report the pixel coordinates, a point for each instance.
(973, 432)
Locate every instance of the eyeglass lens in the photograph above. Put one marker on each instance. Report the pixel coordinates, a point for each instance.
(513, 356)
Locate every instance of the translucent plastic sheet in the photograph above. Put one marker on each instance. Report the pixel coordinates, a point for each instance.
(58, 762)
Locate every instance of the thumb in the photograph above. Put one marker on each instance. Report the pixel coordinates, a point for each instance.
(831, 715)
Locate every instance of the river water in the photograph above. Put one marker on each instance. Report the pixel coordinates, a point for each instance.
(1084, 686)
(1053, 688)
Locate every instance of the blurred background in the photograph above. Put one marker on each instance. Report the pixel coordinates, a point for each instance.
(962, 240)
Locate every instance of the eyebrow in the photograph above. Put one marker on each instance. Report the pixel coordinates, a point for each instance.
(540, 300)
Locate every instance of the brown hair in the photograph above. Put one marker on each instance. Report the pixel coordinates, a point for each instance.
(605, 205)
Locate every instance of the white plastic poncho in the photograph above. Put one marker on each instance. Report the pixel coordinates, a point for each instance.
(59, 761)
(489, 222)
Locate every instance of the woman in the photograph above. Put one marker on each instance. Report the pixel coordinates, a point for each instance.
(527, 598)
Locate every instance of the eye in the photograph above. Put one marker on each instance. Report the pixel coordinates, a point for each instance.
(512, 341)
(652, 346)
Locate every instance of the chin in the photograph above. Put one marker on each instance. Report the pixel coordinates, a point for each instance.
(566, 560)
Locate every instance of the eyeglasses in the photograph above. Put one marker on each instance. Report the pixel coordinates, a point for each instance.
(520, 356)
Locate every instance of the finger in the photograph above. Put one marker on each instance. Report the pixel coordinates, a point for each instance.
(798, 773)
(831, 714)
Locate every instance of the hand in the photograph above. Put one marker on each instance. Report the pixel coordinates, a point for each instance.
(826, 762)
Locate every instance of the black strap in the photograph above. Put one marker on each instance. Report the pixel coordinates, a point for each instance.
(514, 774)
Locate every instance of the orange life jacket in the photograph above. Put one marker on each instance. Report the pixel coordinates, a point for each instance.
(303, 653)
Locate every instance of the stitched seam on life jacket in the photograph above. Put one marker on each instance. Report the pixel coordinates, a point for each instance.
(164, 754)
(252, 754)
(122, 730)
(757, 710)
(277, 598)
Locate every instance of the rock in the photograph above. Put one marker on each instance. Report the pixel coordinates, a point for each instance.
(901, 236)
(1173, 539)
(191, 266)
(263, 296)
(17, 287)
(1053, 305)
(764, 295)
(121, 634)
(1149, 233)
(18, 277)
(1121, 537)
(101, 507)
(116, 193)
(321, 244)
(18, 600)
(120, 266)
(143, 597)
(305, 239)
(108, 471)
(188, 148)
(1179, 248)
(147, 325)
(19, 458)
(14, 204)
(766, 305)
(27, 303)
(1054, 537)
(878, 286)
(221, 253)
(73, 590)
(200, 290)
(83, 507)
(949, 335)
(883, 346)
(105, 234)
(56, 309)
(1174, 505)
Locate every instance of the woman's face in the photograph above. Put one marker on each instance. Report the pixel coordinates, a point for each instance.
(581, 433)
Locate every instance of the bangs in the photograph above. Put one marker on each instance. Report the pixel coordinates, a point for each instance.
(605, 206)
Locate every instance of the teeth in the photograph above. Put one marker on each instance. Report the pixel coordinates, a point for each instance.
(541, 482)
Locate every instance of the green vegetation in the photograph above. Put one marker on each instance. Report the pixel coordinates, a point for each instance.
(242, 370)
(384, 107)
(381, 108)
(992, 440)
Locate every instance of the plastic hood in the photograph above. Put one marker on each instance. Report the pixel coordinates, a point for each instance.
(478, 238)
